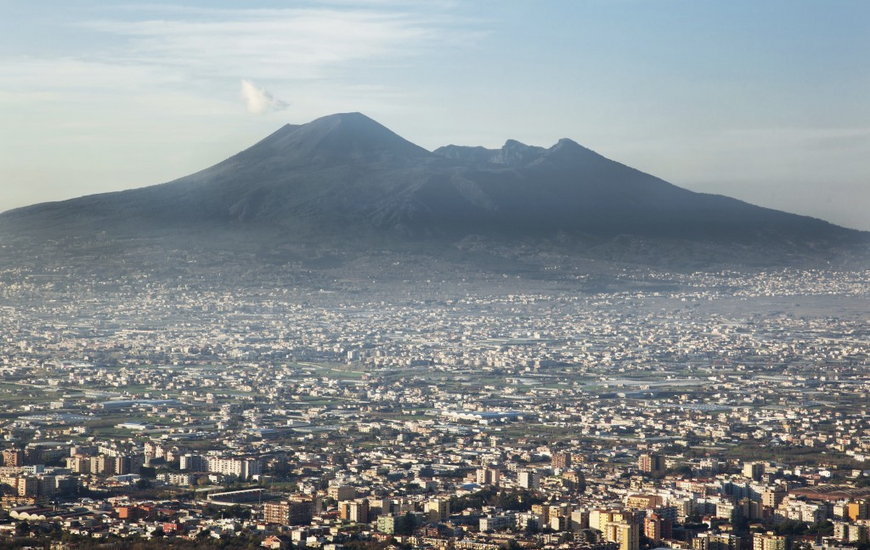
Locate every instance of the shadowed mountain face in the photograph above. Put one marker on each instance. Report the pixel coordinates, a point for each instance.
(346, 176)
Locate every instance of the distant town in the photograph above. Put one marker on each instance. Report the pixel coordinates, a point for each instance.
(711, 411)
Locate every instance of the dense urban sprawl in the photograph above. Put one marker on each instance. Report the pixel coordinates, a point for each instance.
(716, 411)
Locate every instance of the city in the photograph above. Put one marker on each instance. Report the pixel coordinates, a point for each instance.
(686, 410)
(438, 275)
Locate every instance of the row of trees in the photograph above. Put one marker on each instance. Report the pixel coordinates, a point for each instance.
(517, 500)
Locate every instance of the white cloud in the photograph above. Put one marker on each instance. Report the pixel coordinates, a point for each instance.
(259, 100)
(295, 44)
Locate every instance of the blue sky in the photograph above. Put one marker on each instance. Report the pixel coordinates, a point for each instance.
(766, 101)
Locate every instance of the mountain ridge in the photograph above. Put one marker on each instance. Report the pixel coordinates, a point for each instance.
(348, 177)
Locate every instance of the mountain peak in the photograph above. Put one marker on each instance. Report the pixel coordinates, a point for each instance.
(512, 143)
(569, 145)
(515, 153)
(347, 122)
(334, 139)
(355, 137)
(569, 152)
(349, 117)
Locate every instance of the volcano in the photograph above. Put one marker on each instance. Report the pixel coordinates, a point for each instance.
(347, 178)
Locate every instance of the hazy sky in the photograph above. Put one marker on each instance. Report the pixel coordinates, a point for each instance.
(764, 100)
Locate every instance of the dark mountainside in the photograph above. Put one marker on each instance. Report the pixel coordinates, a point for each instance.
(345, 182)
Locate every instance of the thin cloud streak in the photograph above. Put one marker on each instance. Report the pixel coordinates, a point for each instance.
(290, 44)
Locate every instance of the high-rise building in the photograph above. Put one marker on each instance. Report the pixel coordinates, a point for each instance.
(626, 535)
(643, 502)
(559, 523)
(389, 523)
(529, 479)
(598, 519)
(79, 464)
(103, 465)
(753, 470)
(652, 527)
(46, 486)
(438, 509)
(716, 541)
(772, 497)
(341, 492)
(123, 465)
(857, 510)
(543, 512)
(561, 460)
(356, 511)
(243, 468)
(392, 524)
(297, 510)
(574, 479)
(191, 462)
(770, 541)
(488, 476)
(727, 510)
(13, 457)
(579, 520)
(28, 486)
(650, 463)
(66, 485)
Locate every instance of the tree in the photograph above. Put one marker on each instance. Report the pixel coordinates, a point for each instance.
(407, 525)
(791, 527)
(23, 528)
(823, 528)
(684, 471)
(741, 524)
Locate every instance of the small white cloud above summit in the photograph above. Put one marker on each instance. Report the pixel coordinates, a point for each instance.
(259, 100)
